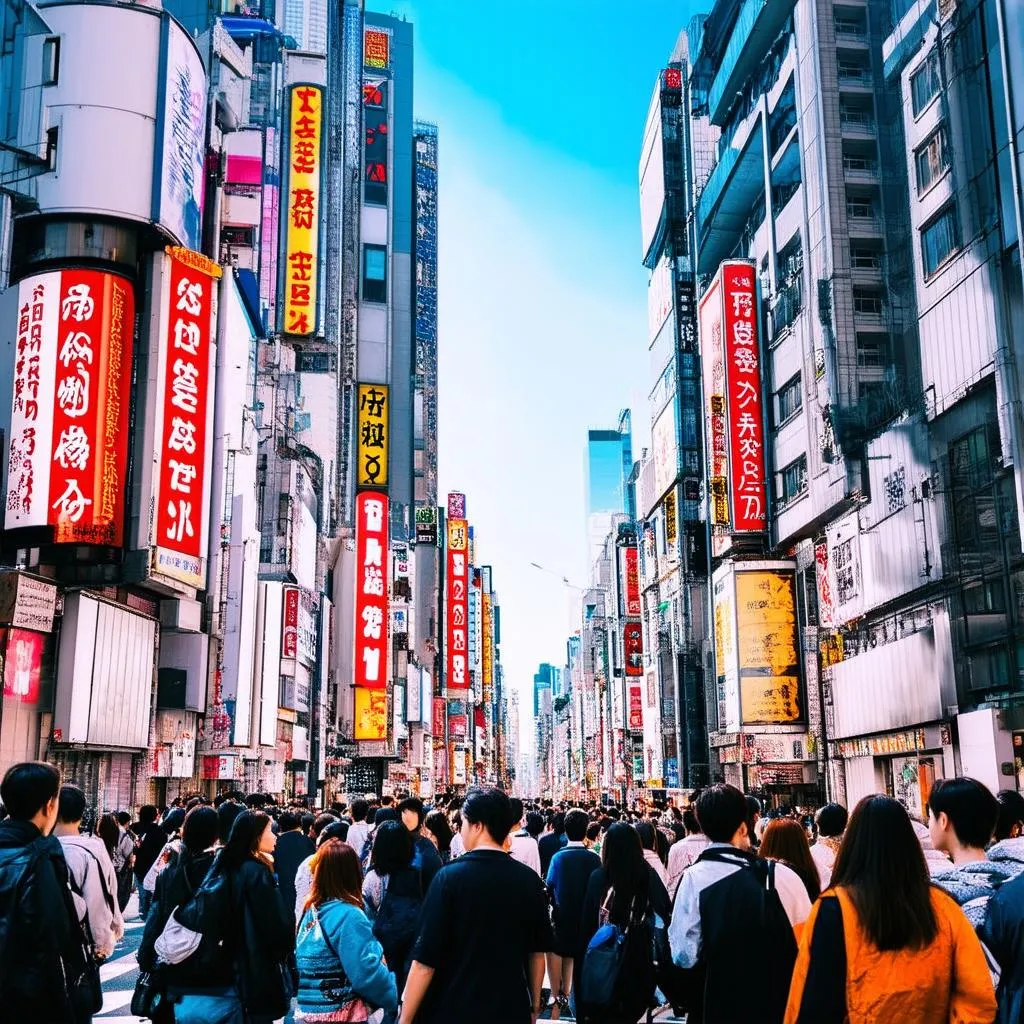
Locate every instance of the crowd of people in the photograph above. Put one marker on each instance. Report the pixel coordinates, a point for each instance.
(483, 908)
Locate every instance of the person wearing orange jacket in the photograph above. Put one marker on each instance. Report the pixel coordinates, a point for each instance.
(883, 944)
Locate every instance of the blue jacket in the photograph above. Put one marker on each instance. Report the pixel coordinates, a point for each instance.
(334, 931)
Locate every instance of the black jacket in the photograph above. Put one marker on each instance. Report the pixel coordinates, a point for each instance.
(243, 912)
(597, 888)
(149, 849)
(1003, 934)
(292, 849)
(40, 940)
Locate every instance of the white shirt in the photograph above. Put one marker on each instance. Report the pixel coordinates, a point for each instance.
(825, 860)
(659, 869)
(525, 850)
(303, 885)
(681, 855)
(357, 834)
(458, 847)
(93, 874)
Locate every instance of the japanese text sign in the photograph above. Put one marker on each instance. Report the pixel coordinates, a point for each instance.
(290, 623)
(373, 436)
(437, 728)
(300, 301)
(632, 581)
(633, 648)
(457, 578)
(713, 368)
(456, 505)
(186, 368)
(371, 626)
(371, 714)
(69, 412)
(488, 648)
(636, 709)
(376, 45)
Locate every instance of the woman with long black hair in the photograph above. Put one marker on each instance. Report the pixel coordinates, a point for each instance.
(883, 943)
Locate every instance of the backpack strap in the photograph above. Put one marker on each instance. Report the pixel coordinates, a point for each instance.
(109, 899)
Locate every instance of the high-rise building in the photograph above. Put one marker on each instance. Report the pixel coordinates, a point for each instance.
(608, 469)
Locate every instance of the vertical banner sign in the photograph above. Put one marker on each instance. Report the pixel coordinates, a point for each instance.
(488, 648)
(371, 627)
(426, 525)
(372, 470)
(746, 412)
(371, 710)
(375, 141)
(633, 648)
(187, 369)
(826, 607)
(437, 720)
(713, 362)
(302, 232)
(456, 505)
(636, 709)
(69, 412)
(376, 46)
(632, 581)
(290, 623)
(457, 565)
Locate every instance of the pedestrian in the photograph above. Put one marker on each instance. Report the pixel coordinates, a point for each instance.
(484, 930)
(150, 843)
(304, 872)
(551, 842)
(45, 963)
(359, 829)
(962, 817)
(521, 845)
(785, 842)
(754, 819)
(831, 821)
(1002, 932)
(1010, 823)
(246, 930)
(121, 848)
(649, 841)
(169, 827)
(343, 974)
(883, 944)
(685, 851)
(426, 859)
(293, 847)
(90, 873)
(593, 840)
(437, 829)
(568, 875)
(734, 917)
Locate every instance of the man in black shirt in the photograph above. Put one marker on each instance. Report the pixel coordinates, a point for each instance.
(293, 847)
(484, 930)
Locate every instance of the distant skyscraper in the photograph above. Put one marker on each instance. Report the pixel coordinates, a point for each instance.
(608, 469)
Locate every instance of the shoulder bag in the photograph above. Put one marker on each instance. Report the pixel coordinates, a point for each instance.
(85, 990)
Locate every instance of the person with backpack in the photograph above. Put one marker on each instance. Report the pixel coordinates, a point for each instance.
(150, 841)
(47, 970)
(90, 873)
(624, 905)
(484, 930)
(734, 917)
(883, 944)
(568, 875)
(124, 859)
(343, 975)
(426, 859)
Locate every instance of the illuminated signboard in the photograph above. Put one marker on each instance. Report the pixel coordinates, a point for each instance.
(69, 410)
(290, 623)
(457, 580)
(488, 646)
(375, 141)
(456, 505)
(636, 709)
(376, 48)
(302, 232)
(187, 366)
(632, 581)
(426, 525)
(633, 648)
(371, 624)
(713, 362)
(371, 714)
(372, 456)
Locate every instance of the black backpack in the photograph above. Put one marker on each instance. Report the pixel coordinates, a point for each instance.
(397, 923)
(745, 934)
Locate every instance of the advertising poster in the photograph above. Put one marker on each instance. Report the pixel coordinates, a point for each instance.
(372, 447)
(632, 582)
(371, 714)
(290, 623)
(426, 525)
(23, 660)
(69, 411)
(636, 708)
(375, 140)
(303, 164)
(710, 316)
(371, 625)
(633, 648)
(457, 586)
(376, 47)
(456, 505)
(726, 668)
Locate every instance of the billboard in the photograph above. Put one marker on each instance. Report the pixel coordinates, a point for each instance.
(664, 450)
(632, 580)
(300, 297)
(633, 648)
(488, 648)
(69, 411)
(371, 714)
(372, 447)
(375, 140)
(636, 709)
(376, 48)
(371, 625)
(184, 386)
(290, 623)
(457, 588)
(456, 505)
(23, 660)
(733, 399)
(426, 525)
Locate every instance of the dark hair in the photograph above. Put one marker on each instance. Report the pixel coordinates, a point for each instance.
(785, 840)
(721, 809)
(336, 875)
(359, 809)
(108, 831)
(690, 822)
(71, 805)
(622, 857)
(335, 830)
(832, 820)
(534, 823)
(411, 803)
(148, 814)
(382, 815)
(28, 787)
(558, 823)
(393, 848)
(436, 822)
(576, 822)
(971, 807)
(244, 840)
(1011, 812)
(593, 831)
(288, 821)
(371, 815)
(645, 830)
(516, 806)
(306, 821)
(321, 821)
(124, 819)
(882, 866)
(200, 830)
(488, 806)
(227, 814)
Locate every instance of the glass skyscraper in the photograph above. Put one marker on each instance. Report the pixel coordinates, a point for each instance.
(609, 466)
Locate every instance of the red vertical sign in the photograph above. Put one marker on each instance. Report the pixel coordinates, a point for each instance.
(371, 627)
(633, 647)
(632, 582)
(290, 625)
(457, 585)
(636, 709)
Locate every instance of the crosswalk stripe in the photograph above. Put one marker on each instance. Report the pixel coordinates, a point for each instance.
(115, 968)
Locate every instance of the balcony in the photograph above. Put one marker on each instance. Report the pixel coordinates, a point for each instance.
(757, 25)
(860, 169)
(857, 124)
(787, 306)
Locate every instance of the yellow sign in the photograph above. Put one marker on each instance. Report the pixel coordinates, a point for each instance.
(373, 436)
(371, 714)
(302, 204)
(670, 518)
(768, 659)
(376, 46)
(458, 535)
(488, 659)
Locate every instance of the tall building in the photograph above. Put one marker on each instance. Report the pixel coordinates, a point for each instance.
(608, 467)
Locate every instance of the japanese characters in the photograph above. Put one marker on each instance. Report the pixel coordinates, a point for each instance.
(372, 457)
(371, 625)
(457, 578)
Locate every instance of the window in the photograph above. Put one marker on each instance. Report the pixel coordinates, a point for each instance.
(867, 301)
(375, 273)
(790, 398)
(871, 350)
(865, 259)
(939, 240)
(52, 140)
(859, 207)
(932, 160)
(793, 480)
(924, 83)
(51, 60)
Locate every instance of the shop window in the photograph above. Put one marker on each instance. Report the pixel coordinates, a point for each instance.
(985, 598)
(990, 670)
(375, 273)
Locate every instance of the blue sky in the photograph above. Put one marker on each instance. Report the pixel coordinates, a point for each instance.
(543, 310)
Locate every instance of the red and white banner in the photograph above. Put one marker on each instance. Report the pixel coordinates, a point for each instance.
(186, 368)
(632, 582)
(457, 586)
(636, 709)
(371, 628)
(69, 412)
(290, 623)
(633, 648)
